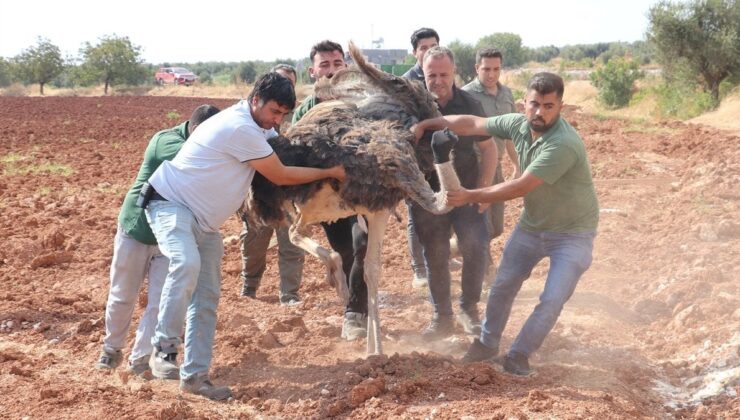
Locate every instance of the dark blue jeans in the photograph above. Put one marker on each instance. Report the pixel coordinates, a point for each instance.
(350, 242)
(472, 237)
(570, 257)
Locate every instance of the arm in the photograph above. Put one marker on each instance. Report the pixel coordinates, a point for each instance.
(462, 125)
(273, 169)
(513, 157)
(500, 192)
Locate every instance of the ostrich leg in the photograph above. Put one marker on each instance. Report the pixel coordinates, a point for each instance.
(373, 270)
(333, 261)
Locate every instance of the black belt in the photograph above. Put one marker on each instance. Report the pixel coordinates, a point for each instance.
(157, 196)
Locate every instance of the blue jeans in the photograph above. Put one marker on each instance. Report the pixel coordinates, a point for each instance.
(570, 257)
(192, 287)
(472, 237)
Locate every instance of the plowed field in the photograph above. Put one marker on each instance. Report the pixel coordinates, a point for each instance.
(652, 331)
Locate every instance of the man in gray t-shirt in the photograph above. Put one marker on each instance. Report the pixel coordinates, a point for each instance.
(496, 99)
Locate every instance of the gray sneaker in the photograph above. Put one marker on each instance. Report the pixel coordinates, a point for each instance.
(140, 366)
(354, 326)
(419, 282)
(109, 359)
(289, 300)
(469, 321)
(201, 385)
(164, 365)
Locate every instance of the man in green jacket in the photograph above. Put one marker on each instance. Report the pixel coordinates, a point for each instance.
(559, 220)
(136, 256)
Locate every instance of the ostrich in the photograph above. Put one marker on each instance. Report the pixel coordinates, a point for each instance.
(363, 123)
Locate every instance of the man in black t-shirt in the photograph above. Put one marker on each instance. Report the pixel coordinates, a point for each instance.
(467, 222)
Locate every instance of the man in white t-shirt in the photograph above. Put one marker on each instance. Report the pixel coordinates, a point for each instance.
(194, 195)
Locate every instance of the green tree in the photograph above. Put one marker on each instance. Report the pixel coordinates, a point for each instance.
(510, 46)
(703, 34)
(40, 64)
(614, 81)
(544, 54)
(6, 72)
(246, 72)
(114, 61)
(464, 59)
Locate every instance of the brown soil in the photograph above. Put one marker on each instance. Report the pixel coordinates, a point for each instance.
(652, 330)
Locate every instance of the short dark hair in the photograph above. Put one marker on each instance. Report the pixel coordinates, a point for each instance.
(422, 33)
(325, 46)
(274, 87)
(203, 113)
(284, 67)
(545, 82)
(487, 52)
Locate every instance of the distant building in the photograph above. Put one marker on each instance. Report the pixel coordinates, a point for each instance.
(385, 56)
(388, 60)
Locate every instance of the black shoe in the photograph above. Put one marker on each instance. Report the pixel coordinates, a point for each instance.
(249, 291)
(439, 328)
(469, 321)
(478, 352)
(517, 364)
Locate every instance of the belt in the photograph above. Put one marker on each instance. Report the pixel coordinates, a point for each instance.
(157, 196)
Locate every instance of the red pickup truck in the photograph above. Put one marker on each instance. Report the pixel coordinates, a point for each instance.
(175, 75)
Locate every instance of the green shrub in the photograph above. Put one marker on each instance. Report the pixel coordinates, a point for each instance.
(614, 81)
(683, 100)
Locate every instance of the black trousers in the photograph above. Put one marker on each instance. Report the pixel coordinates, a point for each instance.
(350, 242)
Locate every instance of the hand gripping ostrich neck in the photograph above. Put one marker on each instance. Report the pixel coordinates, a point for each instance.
(362, 122)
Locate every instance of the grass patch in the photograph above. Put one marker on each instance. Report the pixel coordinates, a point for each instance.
(11, 158)
(640, 125)
(600, 116)
(15, 164)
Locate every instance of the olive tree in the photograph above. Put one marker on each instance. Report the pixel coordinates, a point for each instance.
(40, 63)
(701, 34)
(464, 59)
(510, 46)
(114, 60)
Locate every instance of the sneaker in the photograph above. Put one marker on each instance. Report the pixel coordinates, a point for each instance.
(140, 366)
(517, 364)
(201, 385)
(478, 352)
(290, 300)
(109, 359)
(469, 321)
(249, 291)
(164, 365)
(354, 326)
(439, 328)
(419, 282)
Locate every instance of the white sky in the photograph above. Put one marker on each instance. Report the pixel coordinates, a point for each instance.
(217, 30)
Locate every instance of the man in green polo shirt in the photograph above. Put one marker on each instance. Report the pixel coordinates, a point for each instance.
(136, 255)
(559, 220)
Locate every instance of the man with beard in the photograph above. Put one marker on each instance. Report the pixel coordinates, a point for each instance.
(191, 197)
(559, 220)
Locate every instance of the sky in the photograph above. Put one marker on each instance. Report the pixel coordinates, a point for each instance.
(188, 31)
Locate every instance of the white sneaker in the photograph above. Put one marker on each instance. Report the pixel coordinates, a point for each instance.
(419, 282)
